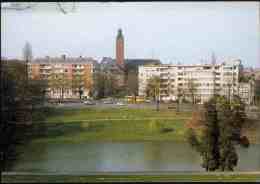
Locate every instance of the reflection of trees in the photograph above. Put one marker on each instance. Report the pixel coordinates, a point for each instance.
(152, 155)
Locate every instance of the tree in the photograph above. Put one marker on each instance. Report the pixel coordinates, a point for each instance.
(228, 156)
(153, 89)
(19, 96)
(223, 121)
(257, 91)
(59, 83)
(77, 84)
(111, 86)
(210, 151)
(192, 89)
(132, 83)
(180, 94)
(99, 85)
(27, 56)
(88, 85)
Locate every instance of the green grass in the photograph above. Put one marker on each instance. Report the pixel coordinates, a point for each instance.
(112, 130)
(114, 124)
(245, 177)
(67, 115)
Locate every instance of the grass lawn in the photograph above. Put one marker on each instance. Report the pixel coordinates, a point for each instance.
(67, 115)
(91, 124)
(245, 177)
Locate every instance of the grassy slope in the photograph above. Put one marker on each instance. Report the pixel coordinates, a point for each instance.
(66, 115)
(77, 125)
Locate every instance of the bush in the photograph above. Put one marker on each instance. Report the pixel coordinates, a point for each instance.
(244, 142)
(166, 130)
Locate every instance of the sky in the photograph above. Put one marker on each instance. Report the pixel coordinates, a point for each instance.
(185, 32)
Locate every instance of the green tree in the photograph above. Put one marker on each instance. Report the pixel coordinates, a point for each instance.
(18, 95)
(210, 151)
(223, 121)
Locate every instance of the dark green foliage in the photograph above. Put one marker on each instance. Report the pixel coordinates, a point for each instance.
(210, 150)
(193, 140)
(222, 131)
(19, 98)
(244, 142)
(257, 91)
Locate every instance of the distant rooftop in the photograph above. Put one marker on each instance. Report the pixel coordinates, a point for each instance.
(64, 60)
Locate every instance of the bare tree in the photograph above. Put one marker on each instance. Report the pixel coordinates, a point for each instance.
(192, 89)
(77, 84)
(153, 89)
(21, 6)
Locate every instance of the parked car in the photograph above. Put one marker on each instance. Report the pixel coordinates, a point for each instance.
(88, 102)
(120, 103)
(147, 100)
(108, 102)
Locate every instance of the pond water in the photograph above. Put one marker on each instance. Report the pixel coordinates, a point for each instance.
(121, 156)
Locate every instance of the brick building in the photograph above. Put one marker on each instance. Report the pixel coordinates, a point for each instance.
(67, 77)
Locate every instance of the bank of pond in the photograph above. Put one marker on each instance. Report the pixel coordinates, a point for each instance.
(115, 146)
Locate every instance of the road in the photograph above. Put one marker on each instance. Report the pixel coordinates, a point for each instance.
(152, 105)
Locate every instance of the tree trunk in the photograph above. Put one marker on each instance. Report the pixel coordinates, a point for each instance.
(157, 104)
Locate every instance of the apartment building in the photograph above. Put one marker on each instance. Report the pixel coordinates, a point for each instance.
(66, 77)
(194, 82)
(247, 91)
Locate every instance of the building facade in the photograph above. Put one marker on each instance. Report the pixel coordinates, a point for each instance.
(206, 80)
(66, 77)
(247, 91)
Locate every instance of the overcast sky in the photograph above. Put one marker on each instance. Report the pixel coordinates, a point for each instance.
(172, 31)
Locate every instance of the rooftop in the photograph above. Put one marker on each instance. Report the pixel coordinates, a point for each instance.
(64, 60)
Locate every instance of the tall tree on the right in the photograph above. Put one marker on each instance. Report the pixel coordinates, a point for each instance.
(223, 120)
(228, 156)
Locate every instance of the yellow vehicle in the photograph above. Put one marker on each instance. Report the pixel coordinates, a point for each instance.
(133, 99)
(130, 99)
(140, 99)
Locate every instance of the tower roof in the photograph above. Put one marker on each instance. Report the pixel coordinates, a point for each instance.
(119, 33)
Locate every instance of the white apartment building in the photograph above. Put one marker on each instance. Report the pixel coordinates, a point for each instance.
(207, 79)
(246, 91)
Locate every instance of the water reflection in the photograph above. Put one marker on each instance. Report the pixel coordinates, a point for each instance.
(127, 156)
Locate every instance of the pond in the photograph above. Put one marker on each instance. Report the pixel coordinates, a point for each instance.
(121, 156)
